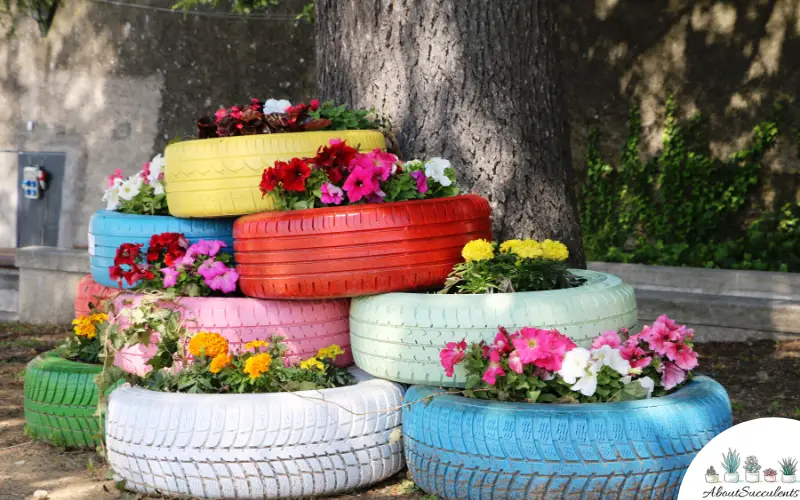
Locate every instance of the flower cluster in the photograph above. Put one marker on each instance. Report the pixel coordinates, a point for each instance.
(173, 264)
(141, 193)
(339, 175)
(274, 116)
(85, 344)
(512, 266)
(537, 365)
(86, 326)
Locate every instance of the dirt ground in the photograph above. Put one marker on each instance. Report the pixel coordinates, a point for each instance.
(762, 378)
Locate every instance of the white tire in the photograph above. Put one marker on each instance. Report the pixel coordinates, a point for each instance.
(279, 445)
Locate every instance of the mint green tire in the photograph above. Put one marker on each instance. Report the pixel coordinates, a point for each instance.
(60, 402)
(398, 336)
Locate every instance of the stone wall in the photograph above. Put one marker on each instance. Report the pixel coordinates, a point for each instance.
(112, 83)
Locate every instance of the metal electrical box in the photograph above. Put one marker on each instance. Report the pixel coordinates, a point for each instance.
(38, 217)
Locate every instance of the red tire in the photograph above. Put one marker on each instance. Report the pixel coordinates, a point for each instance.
(356, 250)
(90, 292)
(306, 326)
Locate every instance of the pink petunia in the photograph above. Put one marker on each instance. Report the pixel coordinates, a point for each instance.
(422, 180)
(116, 175)
(635, 355)
(531, 344)
(376, 197)
(206, 247)
(377, 162)
(501, 342)
(331, 194)
(683, 356)
(170, 276)
(220, 114)
(494, 370)
(514, 362)
(225, 282)
(359, 184)
(210, 269)
(659, 336)
(671, 375)
(669, 323)
(452, 355)
(610, 338)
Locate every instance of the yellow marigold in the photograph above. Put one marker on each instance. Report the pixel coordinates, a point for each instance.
(528, 249)
(219, 362)
(84, 327)
(98, 317)
(311, 363)
(256, 344)
(508, 246)
(554, 250)
(257, 365)
(331, 352)
(478, 250)
(213, 344)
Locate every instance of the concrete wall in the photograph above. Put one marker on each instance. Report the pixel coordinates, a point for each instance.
(111, 84)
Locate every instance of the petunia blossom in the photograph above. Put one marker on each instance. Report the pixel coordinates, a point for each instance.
(531, 344)
(422, 181)
(671, 375)
(494, 370)
(359, 184)
(574, 365)
(436, 169)
(683, 356)
(210, 269)
(515, 363)
(658, 336)
(501, 342)
(225, 282)
(170, 276)
(610, 338)
(608, 356)
(451, 355)
(587, 384)
(206, 247)
(331, 194)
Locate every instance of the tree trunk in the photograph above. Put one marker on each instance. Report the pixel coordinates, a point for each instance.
(472, 81)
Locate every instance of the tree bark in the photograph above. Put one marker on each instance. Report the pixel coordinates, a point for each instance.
(473, 81)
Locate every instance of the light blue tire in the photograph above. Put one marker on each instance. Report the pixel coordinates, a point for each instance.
(468, 449)
(108, 230)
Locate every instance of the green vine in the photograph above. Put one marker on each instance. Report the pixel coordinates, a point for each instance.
(685, 207)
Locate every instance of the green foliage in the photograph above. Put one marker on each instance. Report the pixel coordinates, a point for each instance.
(788, 466)
(146, 202)
(685, 207)
(751, 464)
(241, 6)
(344, 118)
(711, 471)
(730, 461)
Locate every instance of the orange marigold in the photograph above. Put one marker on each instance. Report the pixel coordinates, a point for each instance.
(212, 344)
(219, 362)
(257, 365)
(256, 344)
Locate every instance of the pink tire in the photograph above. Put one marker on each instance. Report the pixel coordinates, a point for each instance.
(306, 326)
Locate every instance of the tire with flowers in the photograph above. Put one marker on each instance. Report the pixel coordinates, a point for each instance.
(306, 326)
(350, 251)
(466, 448)
(398, 336)
(60, 401)
(108, 230)
(90, 293)
(274, 445)
(220, 177)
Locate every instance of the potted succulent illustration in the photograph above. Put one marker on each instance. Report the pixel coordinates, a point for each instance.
(788, 468)
(770, 475)
(730, 464)
(751, 468)
(711, 475)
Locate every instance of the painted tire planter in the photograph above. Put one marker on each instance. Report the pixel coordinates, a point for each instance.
(90, 292)
(220, 177)
(459, 448)
(398, 336)
(60, 401)
(255, 445)
(356, 250)
(108, 230)
(306, 326)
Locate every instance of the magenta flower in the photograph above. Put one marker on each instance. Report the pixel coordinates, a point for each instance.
(610, 338)
(531, 344)
(331, 194)
(170, 276)
(494, 370)
(514, 362)
(669, 323)
(635, 355)
(379, 163)
(225, 282)
(683, 356)
(359, 184)
(210, 269)
(671, 375)
(659, 336)
(422, 181)
(501, 342)
(452, 355)
(206, 247)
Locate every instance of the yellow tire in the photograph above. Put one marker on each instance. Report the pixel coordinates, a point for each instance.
(220, 177)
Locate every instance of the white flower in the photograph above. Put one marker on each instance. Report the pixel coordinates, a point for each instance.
(436, 168)
(156, 167)
(275, 106)
(608, 356)
(111, 195)
(647, 383)
(131, 187)
(574, 364)
(158, 188)
(587, 385)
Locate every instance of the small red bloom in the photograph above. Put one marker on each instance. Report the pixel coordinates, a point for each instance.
(314, 104)
(269, 180)
(236, 112)
(127, 254)
(293, 175)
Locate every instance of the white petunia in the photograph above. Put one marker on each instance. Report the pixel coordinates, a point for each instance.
(156, 168)
(574, 364)
(275, 106)
(608, 356)
(158, 188)
(587, 385)
(131, 187)
(111, 195)
(436, 168)
(647, 383)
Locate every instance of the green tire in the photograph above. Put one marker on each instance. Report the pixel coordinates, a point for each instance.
(60, 402)
(398, 336)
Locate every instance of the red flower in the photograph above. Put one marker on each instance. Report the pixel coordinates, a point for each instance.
(338, 154)
(172, 245)
(335, 175)
(314, 104)
(269, 180)
(293, 175)
(236, 112)
(127, 253)
(256, 104)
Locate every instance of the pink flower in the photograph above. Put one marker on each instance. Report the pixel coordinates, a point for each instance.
(376, 197)
(210, 269)
(610, 338)
(501, 341)
(452, 355)
(422, 181)
(145, 173)
(206, 247)
(514, 362)
(635, 355)
(377, 162)
(494, 370)
(359, 184)
(669, 323)
(116, 175)
(225, 282)
(331, 194)
(683, 356)
(170, 276)
(236, 112)
(659, 336)
(221, 113)
(531, 344)
(671, 375)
